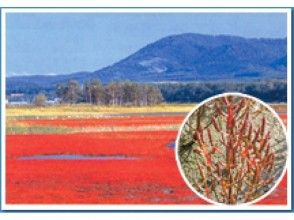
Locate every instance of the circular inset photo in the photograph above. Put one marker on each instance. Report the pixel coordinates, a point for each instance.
(232, 149)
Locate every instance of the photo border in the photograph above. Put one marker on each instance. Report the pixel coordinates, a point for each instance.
(147, 208)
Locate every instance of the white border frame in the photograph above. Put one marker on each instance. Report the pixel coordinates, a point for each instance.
(5, 206)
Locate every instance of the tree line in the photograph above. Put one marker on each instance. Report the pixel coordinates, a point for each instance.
(268, 91)
(131, 93)
(114, 93)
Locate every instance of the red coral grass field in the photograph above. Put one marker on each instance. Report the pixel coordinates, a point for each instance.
(152, 177)
(113, 121)
(124, 167)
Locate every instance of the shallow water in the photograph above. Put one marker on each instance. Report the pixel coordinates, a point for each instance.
(171, 145)
(76, 157)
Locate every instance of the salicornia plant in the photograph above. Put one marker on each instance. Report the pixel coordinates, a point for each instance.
(232, 149)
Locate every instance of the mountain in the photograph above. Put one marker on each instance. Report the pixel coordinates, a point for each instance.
(201, 57)
(185, 57)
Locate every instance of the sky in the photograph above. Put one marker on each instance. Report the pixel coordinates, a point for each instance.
(60, 43)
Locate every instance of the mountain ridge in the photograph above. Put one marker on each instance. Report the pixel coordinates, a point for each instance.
(185, 57)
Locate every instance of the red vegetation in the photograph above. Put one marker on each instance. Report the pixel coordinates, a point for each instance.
(153, 178)
(143, 144)
(114, 121)
(284, 118)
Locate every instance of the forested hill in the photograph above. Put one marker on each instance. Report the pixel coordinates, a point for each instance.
(180, 58)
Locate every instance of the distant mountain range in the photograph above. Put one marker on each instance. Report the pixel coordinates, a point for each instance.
(181, 58)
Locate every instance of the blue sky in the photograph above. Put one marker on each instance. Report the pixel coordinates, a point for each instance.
(51, 43)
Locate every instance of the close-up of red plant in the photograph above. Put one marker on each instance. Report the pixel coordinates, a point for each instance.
(232, 150)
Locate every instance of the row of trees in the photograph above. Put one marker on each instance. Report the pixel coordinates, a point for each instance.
(130, 93)
(268, 91)
(115, 93)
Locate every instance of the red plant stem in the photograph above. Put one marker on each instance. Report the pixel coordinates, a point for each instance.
(217, 128)
(230, 154)
(210, 137)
